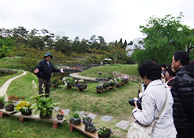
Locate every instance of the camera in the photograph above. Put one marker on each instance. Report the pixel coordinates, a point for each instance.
(137, 100)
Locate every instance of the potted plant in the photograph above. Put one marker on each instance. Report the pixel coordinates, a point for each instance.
(118, 82)
(105, 85)
(122, 81)
(87, 121)
(2, 101)
(112, 83)
(60, 114)
(12, 101)
(24, 108)
(44, 105)
(104, 132)
(68, 82)
(81, 85)
(90, 128)
(126, 78)
(75, 119)
(99, 88)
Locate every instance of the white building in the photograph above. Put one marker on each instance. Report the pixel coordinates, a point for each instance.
(137, 44)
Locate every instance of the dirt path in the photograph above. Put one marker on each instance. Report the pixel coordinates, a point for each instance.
(5, 86)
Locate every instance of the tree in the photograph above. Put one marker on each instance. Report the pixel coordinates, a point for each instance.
(165, 35)
(117, 53)
(6, 44)
(63, 45)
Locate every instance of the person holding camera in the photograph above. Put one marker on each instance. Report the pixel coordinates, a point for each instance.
(155, 99)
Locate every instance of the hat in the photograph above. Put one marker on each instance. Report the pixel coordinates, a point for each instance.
(48, 54)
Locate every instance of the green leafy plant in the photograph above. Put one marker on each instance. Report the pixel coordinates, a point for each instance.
(105, 85)
(102, 131)
(68, 81)
(75, 119)
(43, 104)
(117, 80)
(112, 82)
(76, 115)
(2, 99)
(56, 81)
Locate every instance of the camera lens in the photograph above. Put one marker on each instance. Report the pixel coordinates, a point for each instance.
(131, 102)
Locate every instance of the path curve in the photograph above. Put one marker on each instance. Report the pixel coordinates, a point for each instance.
(5, 86)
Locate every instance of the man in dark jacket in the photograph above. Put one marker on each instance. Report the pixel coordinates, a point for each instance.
(44, 70)
(183, 94)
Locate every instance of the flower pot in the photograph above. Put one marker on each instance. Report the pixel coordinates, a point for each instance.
(75, 121)
(68, 87)
(47, 116)
(60, 117)
(1, 105)
(90, 128)
(104, 136)
(9, 107)
(87, 121)
(26, 112)
(118, 85)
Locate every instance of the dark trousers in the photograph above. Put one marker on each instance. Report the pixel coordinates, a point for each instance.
(185, 132)
(44, 86)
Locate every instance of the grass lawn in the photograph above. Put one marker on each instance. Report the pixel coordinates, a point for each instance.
(110, 102)
(107, 70)
(3, 79)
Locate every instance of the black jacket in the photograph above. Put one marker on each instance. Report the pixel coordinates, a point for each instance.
(45, 70)
(183, 94)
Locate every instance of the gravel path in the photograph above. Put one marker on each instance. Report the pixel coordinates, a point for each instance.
(5, 86)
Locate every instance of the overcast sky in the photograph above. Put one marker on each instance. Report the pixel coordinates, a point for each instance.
(111, 19)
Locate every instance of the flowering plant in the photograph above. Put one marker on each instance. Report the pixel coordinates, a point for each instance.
(68, 81)
(13, 98)
(117, 80)
(24, 105)
(104, 131)
(61, 112)
(81, 84)
(86, 119)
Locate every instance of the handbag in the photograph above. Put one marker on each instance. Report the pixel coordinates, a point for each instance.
(139, 131)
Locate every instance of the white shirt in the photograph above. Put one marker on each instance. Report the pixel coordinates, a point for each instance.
(153, 99)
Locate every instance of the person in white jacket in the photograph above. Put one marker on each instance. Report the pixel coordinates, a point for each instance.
(153, 100)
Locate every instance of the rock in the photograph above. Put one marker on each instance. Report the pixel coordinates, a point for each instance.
(93, 116)
(66, 112)
(81, 113)
(123, 124)
(106, 118)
